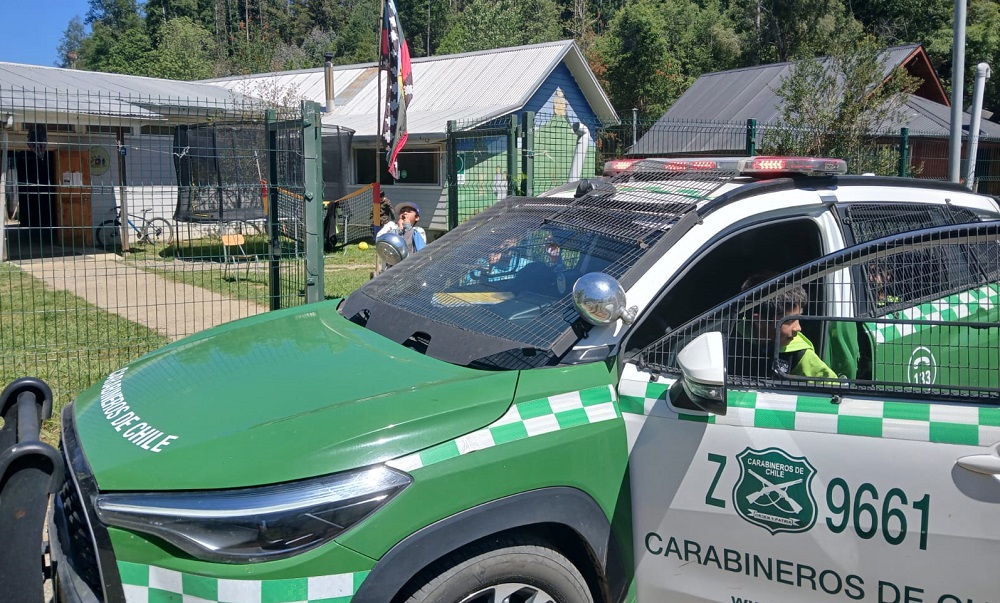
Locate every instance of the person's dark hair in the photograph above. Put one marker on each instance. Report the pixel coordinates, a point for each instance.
(784, 302)
(787, 298)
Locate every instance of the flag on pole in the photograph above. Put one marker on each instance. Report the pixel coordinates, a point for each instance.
(394, 58)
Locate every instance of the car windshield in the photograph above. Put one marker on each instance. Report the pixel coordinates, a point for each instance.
(496, 292)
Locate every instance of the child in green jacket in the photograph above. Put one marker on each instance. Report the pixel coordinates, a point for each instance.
(796, 356)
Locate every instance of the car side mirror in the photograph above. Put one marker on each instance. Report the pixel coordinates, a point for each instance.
(703, 365)
(600, 299)
(391, 248)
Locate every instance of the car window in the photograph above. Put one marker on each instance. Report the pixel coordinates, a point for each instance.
(944, 340)
(496, 292)
(719, 274)
(865, 222)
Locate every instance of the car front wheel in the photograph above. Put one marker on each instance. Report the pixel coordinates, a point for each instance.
(511, 570)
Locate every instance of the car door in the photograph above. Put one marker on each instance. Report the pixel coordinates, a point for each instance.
(789, 488)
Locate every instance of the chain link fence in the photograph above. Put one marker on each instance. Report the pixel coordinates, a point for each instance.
(130, 222)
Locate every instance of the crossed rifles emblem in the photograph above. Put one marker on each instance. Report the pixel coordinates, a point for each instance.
(779, 489)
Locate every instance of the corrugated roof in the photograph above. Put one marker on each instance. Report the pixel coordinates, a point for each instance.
(53, 89)
(740, 94)
(469, 86)
(732, 97)
(925, 117)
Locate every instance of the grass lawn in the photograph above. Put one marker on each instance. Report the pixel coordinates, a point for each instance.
(345, 269)
(62, 339)
(70, 344)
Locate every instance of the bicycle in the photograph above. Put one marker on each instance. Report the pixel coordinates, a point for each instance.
(156, 231)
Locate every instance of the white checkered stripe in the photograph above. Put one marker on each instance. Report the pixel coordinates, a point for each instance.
(924, 422)
(151, 584)
(523, 420)
(954, 307)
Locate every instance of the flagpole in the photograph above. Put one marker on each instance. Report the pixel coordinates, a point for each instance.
(377, 189)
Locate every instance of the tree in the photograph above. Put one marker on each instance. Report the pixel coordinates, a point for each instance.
(836, 107)
(423, 18)
(782, 30)
(982, 44)
(700, 36)
(119, 15)
(71, 42)
(903, 21)
(486, 24)
(357, 39)
(130, 52)
(639, 70)
(185, 51)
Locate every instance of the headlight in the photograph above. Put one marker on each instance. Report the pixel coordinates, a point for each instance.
(256, 524)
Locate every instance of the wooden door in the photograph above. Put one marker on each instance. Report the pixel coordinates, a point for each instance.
(74, 218)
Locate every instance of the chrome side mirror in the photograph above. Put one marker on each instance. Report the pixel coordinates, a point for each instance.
(600, 299)
(391, 248)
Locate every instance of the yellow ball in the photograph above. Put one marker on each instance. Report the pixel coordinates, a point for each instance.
(362, 245)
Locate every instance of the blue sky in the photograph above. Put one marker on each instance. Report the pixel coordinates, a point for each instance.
(33, 28)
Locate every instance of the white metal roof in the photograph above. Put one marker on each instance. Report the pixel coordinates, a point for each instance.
(471, 86)
(53, 89)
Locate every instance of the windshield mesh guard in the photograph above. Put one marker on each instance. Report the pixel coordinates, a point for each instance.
(508, 272)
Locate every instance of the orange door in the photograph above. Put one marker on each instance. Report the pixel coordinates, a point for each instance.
(75, 225)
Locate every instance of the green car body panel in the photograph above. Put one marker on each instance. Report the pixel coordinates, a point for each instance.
(296, 425)
(280, 394)
(591, 458)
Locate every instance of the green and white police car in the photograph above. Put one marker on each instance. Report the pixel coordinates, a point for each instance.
(544, 405)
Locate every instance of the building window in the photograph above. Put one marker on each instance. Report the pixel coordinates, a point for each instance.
(158, 130)
(417, 165)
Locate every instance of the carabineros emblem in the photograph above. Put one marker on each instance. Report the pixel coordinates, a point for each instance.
(775, 490)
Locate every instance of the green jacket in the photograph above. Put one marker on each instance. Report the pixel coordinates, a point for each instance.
(803, 360)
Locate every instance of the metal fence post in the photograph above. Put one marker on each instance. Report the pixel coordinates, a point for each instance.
(513, 187)
(274, 245)
(751, 142)
(312, 157)
(451, 170)
(904, 151)
(528, 153)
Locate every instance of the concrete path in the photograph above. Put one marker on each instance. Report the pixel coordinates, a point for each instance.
(107, 281)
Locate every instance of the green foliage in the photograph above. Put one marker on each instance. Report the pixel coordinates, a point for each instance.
(433, 17)
(700, 36)
(829, 108)
(485, 24)
(982, 44)
(356, 42)
(645, 52)
(71, 42)
(129, 51)
(185, 51)
(641, 72)
(781, 30)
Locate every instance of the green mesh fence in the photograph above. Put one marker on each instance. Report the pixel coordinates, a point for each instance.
(488, 161)
(102, 258)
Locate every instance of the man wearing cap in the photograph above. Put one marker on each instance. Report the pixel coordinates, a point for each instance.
(406, 226)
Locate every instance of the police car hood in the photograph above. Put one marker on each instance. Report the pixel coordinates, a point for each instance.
(277, 397)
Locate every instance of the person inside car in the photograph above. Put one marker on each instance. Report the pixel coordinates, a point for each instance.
(754, 349)
(501, 264)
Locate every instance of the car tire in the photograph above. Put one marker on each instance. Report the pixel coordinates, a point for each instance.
(510, 569)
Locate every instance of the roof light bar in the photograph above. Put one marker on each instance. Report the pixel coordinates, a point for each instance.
(815, 166)
(618, 166)
(748, 166)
